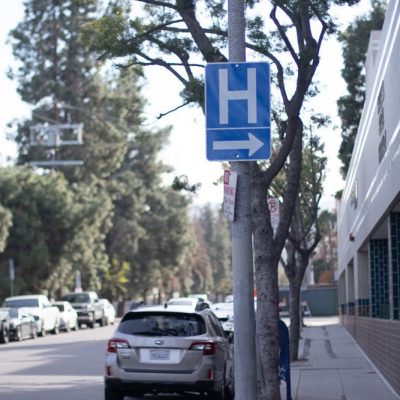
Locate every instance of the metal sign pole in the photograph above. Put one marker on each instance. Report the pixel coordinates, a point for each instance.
(242, 248)
(11, 273)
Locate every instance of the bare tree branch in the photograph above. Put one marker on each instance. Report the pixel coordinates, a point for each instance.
(158, 3)
(172, 110)
(283, 35)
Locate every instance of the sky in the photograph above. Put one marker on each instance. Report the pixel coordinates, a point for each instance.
(186, 151)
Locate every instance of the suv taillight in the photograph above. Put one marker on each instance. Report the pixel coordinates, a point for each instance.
(208, 348)
(114, 344)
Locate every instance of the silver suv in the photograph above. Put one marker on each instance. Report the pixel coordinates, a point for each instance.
(169, 349)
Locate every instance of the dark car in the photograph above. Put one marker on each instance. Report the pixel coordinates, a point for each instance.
(90, 310)
(4, 326)
(22, 324)
(169, 349)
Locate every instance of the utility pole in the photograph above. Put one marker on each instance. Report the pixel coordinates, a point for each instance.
(242, 244)
(11, 273)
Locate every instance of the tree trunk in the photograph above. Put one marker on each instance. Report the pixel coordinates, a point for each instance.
(295, 318)
(267, 316)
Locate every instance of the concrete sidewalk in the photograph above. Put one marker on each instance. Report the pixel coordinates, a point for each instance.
(333, 367)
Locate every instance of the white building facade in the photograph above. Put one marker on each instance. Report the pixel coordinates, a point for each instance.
(369, 212)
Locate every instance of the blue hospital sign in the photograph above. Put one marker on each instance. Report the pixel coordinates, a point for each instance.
(238, 111)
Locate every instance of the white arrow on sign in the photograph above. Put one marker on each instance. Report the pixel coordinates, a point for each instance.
(253, 144)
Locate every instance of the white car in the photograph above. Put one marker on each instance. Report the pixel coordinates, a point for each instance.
(47, 316)
(109, 311)
(193, 302)
(224, 312)
(68, 316)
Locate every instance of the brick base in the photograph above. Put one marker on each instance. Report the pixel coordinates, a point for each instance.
(380, 340)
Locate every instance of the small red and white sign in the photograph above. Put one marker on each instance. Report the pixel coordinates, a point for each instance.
(230, 182)
(273, 205)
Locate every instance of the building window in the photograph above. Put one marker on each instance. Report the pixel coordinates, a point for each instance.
(378, 258)
(395, 253)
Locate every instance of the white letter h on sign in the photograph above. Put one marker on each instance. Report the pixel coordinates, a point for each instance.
(250, 95)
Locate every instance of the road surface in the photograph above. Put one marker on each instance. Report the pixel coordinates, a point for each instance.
(68, 366)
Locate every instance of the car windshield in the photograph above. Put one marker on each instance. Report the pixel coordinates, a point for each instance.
(60, 306)
(77, 298)
(162, 324)
(21, 303)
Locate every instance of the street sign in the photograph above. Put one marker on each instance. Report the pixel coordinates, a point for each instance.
(273, 205)
(238, 121)
(230, 181)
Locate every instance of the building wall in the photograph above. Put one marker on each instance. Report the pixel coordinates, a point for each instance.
(373, 180)
(382, 349)
(369, 211)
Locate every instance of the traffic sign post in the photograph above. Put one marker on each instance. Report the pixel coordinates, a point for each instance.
(238, 121)
(220, 116)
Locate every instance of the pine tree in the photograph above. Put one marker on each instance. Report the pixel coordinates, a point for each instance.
(121, 174)
(44, 216)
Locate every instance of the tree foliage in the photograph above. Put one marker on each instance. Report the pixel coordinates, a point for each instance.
(126, 223)
(41, 225)
(305, 230)
(5, 224)
(355, 44)
(180, 36)
(211, 262)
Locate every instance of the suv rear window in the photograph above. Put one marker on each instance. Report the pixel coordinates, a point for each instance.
(162, 324)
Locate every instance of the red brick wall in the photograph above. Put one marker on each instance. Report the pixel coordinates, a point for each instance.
(380, 340)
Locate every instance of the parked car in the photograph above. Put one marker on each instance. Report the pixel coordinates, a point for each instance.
(229, 298)
(109, 311)
(22, 324)
(169, 349)
(47, 317)
(4, 326)
(68, 315)
(224, 312)
(88, 307)
(193, 302)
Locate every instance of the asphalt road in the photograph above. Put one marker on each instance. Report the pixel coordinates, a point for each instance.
(68, 366)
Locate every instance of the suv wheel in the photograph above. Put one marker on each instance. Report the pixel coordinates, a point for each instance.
(113, 394)
(92, 321)
(56, 329)
(220, 394)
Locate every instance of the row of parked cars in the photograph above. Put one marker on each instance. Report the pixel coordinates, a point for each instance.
(28, 316)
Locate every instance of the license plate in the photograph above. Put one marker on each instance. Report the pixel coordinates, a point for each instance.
(159, 355)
